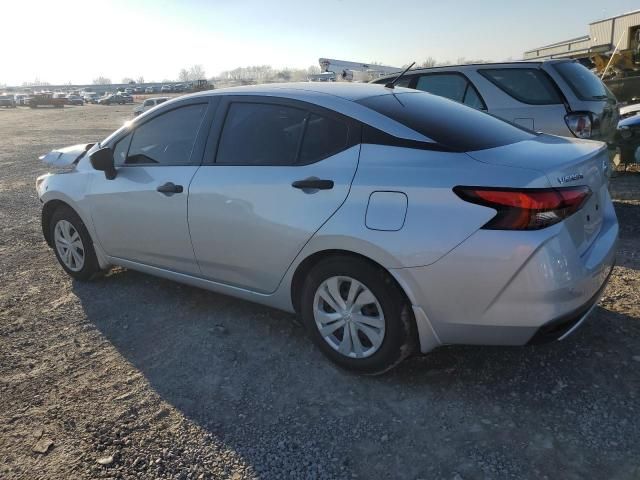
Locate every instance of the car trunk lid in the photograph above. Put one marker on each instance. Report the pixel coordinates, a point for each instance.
(565, 163)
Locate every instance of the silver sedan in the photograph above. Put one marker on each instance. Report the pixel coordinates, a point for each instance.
(392, 221)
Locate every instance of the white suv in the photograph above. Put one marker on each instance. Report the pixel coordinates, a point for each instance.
(560, 97)
(148, 104)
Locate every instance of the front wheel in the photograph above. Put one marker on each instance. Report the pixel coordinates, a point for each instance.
(357, 315)
(72, 244)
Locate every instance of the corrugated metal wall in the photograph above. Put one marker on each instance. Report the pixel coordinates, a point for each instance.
(622, 25)
(604, 33)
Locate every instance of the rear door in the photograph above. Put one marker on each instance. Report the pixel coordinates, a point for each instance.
(275, 170)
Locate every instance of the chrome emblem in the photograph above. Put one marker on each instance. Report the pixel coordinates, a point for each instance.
(570, 178)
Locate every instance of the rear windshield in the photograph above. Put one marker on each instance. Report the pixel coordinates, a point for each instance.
(583, 82)
(449, 123)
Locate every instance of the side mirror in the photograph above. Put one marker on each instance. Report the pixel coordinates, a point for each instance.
(103, 160)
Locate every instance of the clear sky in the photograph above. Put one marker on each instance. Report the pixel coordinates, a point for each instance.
(78, 40)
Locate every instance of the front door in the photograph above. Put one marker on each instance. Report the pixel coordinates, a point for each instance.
(141, 215)
(281, 170)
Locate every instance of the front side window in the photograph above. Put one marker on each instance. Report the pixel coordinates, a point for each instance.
(261, 134)
(167, 139)
(527, 85)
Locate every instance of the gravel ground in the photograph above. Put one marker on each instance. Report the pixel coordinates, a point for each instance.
(131, 376)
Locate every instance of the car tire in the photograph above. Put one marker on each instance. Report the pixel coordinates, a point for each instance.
(63, 227)
(385, 328)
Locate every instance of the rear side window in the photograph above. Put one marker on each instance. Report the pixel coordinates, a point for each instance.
(450, 124)
(261, 134)
(527, 85)
(271, 134)
(167, 139)
(583, 82)
(323, 137)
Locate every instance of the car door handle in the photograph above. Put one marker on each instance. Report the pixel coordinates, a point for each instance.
(313, 183)
(169, 189)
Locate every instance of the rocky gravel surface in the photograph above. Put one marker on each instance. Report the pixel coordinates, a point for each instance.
(132, 376)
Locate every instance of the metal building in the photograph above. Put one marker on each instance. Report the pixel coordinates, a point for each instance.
(621, 31)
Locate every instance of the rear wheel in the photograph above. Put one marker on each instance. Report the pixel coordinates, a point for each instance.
(72, 244)
(357, 315)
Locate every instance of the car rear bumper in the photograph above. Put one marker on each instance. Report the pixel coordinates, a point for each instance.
(510, 288)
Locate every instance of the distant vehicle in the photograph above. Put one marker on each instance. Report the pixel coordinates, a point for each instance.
(109, 99)
(166, 89)
(138, 90)
(42, 99)
(127, 98)
(629, 110)
(628, 139)
(90, 97)
(392, 221)
(128, 91)
(148, 104)
(150, 90)
(21, 98)
(75, 100)
(7, 101)
(561, 97)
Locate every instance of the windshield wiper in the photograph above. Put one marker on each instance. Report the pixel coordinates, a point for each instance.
(392, 83)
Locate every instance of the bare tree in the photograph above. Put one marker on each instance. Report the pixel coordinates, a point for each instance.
(140, 79)
(429, 62)
(196, 72)
(101, 80)
(313, 70)
(128, 80)
(183, 76)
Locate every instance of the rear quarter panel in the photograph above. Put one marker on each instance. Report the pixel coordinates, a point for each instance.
(437, 220)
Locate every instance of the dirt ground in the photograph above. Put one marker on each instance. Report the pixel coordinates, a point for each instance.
(131, 376)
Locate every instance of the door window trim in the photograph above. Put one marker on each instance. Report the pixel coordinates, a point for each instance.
(215, 135)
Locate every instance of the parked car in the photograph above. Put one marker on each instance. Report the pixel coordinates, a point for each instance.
(166, 89)
(7, 100)
(21, 98)
(91, 97)
(75, 100)
(127, 98)
(128, 91)
(561, 97)
(628, 139)
(138, 89)
(109, 99)
(391, 220)
(629, 110)
(47, 99)
(150, 90)
(148, 104)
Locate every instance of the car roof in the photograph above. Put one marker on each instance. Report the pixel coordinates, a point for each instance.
(345, 90)
(341, 97)
(514, 64)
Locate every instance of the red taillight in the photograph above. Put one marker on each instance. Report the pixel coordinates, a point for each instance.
(527, 208)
